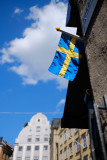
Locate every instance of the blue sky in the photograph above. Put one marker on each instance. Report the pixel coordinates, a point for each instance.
(27, 46)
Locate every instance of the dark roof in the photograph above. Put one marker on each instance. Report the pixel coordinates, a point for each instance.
(55, 123)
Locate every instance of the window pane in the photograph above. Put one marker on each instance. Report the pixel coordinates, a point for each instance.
(65, 152)
(3, 155)
(45, 147)
(27, 158)
(77, 145)
(36, 147)
(70, 133)
(61, 140)
(84, 141)
(37, 139)
(38, 129)
(20, 148)
(19, 158)
(45, 158)
(45, 139)
(28, 148)
(65, 136)
(36, 158)
(70, 149)
(29, 139)
(76, 130)
(61, 155)
(85, 157)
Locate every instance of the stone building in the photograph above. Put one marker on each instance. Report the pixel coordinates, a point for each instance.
(96, 45)
(54, 139)
(67, 143)
(33, 140)
(89, 16)
(6, 150)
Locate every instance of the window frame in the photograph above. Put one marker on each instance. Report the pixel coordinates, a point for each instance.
(65, 136)
(20, 148)
(44, 147)
(77, 145)
(65, 152)
(37, 148)
(70, 132)
(84, 140)
(28, 147)
(70, 149)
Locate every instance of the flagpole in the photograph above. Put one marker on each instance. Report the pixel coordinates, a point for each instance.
(79, 38)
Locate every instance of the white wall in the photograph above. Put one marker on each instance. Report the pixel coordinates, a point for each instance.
(32, 131)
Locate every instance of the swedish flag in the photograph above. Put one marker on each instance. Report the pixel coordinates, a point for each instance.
(68, 54)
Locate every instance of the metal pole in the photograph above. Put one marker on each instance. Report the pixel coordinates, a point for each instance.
(91, 116)
(105, 101)
(70, 34)
(100, 132)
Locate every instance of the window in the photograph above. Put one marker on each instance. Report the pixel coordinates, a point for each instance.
(65, 152)
(29, 139)
(45, 158)
(88, 12)
(85, 157)
(46, 129)
(30, 130)
(27, 158)
(45, 147)
(45, 139)
(28, 148)
(36, 148)
(36, 158)
(3, 155)
(61, 155)
(70, 132)
(38, 129)
(19, 158)
(77, 145)
(61, 140)
(37, 139)
(65, 136)
(20, 148)
(76, 130)
(84, 141)
(70, 149)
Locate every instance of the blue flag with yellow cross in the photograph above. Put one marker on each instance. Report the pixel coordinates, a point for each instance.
(68, 54)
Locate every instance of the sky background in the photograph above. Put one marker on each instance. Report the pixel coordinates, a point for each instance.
(28, 41)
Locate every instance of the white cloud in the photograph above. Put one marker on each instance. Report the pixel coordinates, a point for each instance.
(60, 105)
(36, 49)
(62, 101)
(18, 11)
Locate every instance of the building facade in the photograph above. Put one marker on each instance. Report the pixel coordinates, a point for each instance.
(74, 144)
(69, 144)
(33, 140)
(89, 16)
(54, 139)
(6, 150)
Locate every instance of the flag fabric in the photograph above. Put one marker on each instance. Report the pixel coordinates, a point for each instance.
(76, 109)
(68, 54)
